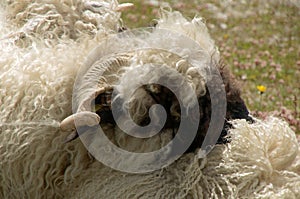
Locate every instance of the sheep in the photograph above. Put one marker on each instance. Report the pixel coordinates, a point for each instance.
(127, 64)
(44, 46)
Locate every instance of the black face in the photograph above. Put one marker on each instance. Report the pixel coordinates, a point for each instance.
(236, 109)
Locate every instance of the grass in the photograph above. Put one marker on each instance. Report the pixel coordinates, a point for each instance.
(260, 41)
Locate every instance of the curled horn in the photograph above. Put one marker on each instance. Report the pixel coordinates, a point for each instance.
(84, 118)
(91, 86)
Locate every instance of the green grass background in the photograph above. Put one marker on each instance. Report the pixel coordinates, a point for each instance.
(259, 40)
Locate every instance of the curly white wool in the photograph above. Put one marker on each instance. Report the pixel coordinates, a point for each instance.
(36, 83)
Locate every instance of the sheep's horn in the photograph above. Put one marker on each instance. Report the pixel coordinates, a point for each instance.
(84, 118)
(86, 96)
(71, 137)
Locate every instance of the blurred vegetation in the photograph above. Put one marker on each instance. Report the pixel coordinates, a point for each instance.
(259, 40)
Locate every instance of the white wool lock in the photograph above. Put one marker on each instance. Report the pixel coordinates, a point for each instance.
(124, 7)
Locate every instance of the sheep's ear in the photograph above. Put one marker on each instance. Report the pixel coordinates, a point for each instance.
(84, 118)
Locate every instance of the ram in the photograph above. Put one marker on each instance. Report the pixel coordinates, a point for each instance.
(47, 47)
